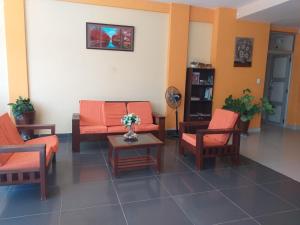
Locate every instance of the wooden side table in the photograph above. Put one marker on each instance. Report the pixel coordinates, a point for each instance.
(145, 141)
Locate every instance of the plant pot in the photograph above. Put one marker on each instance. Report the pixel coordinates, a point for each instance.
(26, 118)
(244, 126)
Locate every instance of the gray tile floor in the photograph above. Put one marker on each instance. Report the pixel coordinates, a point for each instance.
(82, 191)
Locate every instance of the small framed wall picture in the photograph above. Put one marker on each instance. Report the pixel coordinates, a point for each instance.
(243, 52)
(109, 37)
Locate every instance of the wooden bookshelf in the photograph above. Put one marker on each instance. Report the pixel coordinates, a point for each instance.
(198, 94)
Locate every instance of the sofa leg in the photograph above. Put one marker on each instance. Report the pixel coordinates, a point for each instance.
(199, 161)
(75, 146)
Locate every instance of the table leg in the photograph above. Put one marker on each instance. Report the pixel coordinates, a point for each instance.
(110, 152)
(116, 160)
(158, 159)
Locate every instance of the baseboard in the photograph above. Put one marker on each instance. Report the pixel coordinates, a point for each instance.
(64, 135)
(293, 127)
(254, 130)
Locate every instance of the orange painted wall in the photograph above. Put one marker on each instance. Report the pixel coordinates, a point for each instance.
(198, 14)
(129, 4)
(177, 53)
(229, 79)
(16, 48)
(293, 118)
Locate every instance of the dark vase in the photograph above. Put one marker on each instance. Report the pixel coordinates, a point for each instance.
(244, 126)
(26, 118)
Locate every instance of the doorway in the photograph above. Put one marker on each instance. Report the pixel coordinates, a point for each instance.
(279, 62)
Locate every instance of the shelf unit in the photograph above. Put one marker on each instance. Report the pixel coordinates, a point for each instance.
(198, 94)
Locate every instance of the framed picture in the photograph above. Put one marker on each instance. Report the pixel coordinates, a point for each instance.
(109, 37)
(243, 52)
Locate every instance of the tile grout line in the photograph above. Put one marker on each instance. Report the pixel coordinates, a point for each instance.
(234, 221)
(251, 217)
(216, 189)
(115, 189)
(183, 211)
(268, 191)
(254, 184)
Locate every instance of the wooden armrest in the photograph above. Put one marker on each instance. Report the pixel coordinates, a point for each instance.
(41, 148)
(22, 148)
(76, 116)
(37, 127)
(195, 123)
(187, 126)
(203, 132)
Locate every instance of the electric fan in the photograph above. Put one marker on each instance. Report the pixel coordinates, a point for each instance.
(173, 98)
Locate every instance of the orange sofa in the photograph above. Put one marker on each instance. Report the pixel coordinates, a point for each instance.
(25, 162)
(97, 119)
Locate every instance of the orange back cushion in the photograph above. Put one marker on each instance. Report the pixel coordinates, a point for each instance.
(222, 119)
(91, 112)
(9, 135)
(142, 109)
(10, 131)
(3, 141)
(113, 113)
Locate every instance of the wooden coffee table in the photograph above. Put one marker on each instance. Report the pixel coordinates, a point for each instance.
(145, 141)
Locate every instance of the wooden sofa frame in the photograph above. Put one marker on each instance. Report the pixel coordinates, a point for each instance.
(77, 137)
(15, 177)
(200, 151)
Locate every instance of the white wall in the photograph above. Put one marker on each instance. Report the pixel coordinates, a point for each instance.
(3, 64)
(62, 71)
(200, 36)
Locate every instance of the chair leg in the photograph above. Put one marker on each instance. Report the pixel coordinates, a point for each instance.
(54, 158)
(199, 161)
(181, 150)
(43, 187)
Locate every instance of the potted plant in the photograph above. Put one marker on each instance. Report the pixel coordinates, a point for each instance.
(23, 111)
(246, 108)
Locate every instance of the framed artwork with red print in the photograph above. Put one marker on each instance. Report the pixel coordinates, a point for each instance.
(109, 37)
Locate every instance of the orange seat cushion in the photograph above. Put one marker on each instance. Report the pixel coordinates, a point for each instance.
(207, 140)
(113, 113)
(143, 110)
(91, 112)
(93, 129)
(222, 119)
(26, 161)
(10, 131)
(145, 127)
(50, 141)
(117, 129)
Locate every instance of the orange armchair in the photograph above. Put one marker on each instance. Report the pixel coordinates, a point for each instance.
(212, 137)
(25, 162)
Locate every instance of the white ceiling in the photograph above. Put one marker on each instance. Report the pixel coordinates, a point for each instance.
(212, 3)
(285, 14)
(278, 12)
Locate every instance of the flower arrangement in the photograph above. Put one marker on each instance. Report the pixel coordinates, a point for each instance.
(130, 119)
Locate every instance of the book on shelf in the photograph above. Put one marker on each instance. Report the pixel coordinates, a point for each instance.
(200, 114)
(195, 77)
(208, 94)
(195, 99)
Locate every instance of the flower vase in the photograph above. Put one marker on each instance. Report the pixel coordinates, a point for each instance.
(130, 136)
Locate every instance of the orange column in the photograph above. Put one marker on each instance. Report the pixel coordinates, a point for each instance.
(233, 80)
(177, 53)
(16, 48)
(293, 118)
